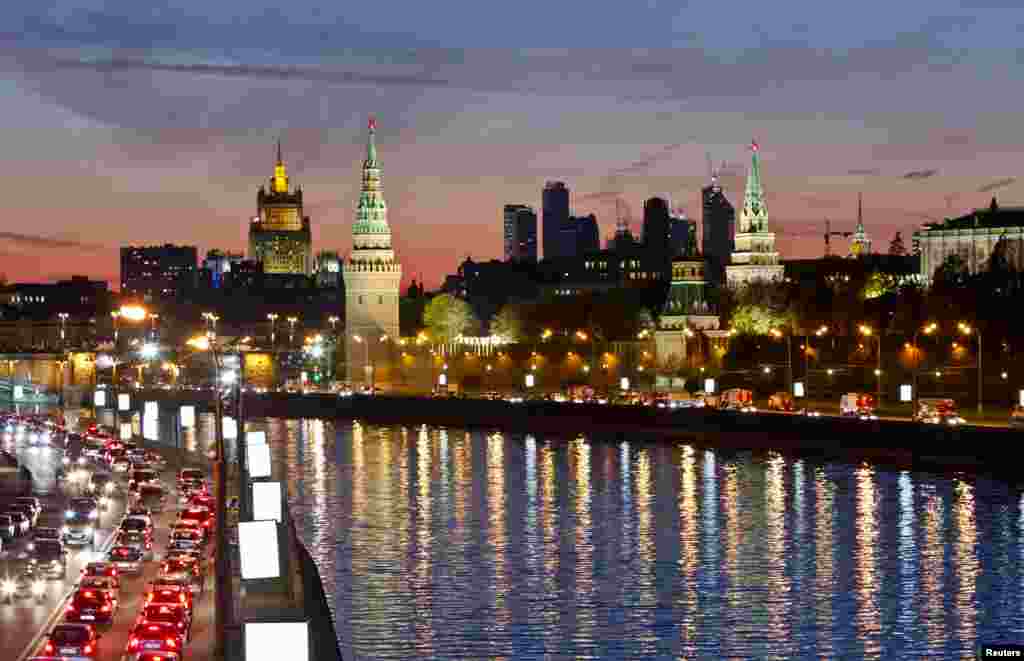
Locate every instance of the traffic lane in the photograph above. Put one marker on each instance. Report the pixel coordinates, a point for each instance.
(22, 619)
(133, 588)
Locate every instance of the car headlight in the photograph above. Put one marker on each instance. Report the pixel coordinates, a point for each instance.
(31, 546)
(81, 461)
(94, 514)
(109, 488)
(66, 461)
(65, 530)
(69, 514)
(9, 587)
(38, 588)
(88, 531)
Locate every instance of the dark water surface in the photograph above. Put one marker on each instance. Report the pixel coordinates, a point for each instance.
(443, 544)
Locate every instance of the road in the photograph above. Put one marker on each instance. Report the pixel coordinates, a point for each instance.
(25, 620)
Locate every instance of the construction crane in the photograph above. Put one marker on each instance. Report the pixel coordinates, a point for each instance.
(829, 233)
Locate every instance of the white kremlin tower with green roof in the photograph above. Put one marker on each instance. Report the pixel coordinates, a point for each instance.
(754, 256)
(372, 279)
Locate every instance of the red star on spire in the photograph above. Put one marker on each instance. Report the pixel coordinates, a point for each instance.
(373, 123)
(753, 145)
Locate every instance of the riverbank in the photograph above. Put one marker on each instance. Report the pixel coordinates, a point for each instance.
(914, 445)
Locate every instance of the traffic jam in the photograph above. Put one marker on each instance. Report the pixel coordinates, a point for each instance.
(103, 471)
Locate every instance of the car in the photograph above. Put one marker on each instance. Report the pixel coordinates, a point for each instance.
(128, 559)
(139, 539)
(201, 515)
(171, 592)
(183, 531)
(27, 510)
(202, 500)
(101, 569)
(149, 655)
(155, 637)
(110, 584)
(189, 488)
(193, 474)
(137, 510)
(49, 558)
(137, 524)
(156, 460)
(34, 503)
(7, 528)
(102, 484)
(120, 465)
(136, 455)
(152, 496)
(90, 607)
(72, 640)
(810, 413)
(21, 522)
(177, 615)
(185, 569)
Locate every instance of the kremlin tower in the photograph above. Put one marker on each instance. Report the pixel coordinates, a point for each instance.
(372, 276)
(754, 256)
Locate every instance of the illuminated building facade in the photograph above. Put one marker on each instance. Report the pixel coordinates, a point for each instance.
(279, 236)
(372, 277)
(860, 244)
(754, 256)
(327, 269)
(158, 272)
(972, 238)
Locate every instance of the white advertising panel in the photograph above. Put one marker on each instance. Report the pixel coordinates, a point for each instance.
(624, 383)
(906, 393)
(258, 458)
(530, 380)
(99, 398)
(442, 379)
(230, 428)
(273, 641)
(258, 550)
(709, 386)
(149, 428)
(798, 389)
(188, 416)
(124, 401)
(256, 438)
(1020, 398)
(126, 431)
(266, 501)
(150, 410)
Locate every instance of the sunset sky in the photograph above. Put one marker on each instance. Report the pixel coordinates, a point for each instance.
(130, 122)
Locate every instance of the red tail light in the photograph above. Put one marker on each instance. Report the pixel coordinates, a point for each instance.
(87, 650)
(105, 608)
(181, 598)
(171, 643)
(70, 608)
(49, 648)
(133, 643)
(89, 595)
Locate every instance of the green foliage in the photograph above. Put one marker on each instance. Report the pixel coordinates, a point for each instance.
(446, 317)
(755, 319)
(878, 285)
(509, 323)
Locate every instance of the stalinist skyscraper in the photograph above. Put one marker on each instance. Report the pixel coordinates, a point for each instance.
(372, 278)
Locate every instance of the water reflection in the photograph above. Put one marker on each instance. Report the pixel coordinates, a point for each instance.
(465, 545)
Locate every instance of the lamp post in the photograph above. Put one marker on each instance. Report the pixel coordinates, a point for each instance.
(63, 316)
(968, 330)
(867, 331)
(152, 325)
(291, 333)
(807, 349)
(116, 316)
(211, 320)
(777, 334)
(273, 329)
(222, 584)
(927, 330)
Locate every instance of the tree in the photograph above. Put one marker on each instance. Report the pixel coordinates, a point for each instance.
(754, 319)
(896, 246)
(509, 323)
(446, 317)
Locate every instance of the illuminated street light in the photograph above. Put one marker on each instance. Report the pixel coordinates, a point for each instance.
(133, 312)
(967, 330)
(867, 331)
(927, 330)
(273, 328)
(149, 351)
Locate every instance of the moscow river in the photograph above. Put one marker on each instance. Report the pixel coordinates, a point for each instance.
(447, 544)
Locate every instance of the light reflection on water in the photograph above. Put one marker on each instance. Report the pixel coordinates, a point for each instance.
(455, 545)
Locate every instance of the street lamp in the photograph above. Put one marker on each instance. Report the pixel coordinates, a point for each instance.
(152, 324)
(211, 320)
(927, 330)
(777, 334)
(968, 330)
(867, 331)
(291, 333)
(116, 316)
(63, 316)
(273, 328)
(222, 584)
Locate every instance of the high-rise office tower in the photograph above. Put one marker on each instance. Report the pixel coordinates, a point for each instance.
(656, 234)
(718, 221)
(587, 238)
(520, 233)
(155, 272)
(555, 211)
(678, 234)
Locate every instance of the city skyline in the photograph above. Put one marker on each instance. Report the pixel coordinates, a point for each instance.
(185, 129)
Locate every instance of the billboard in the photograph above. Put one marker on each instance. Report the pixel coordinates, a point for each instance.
(272, 641)
(188, 416)
(259, 554)
(124, 401)
(256, 438)
(99, 398)
(149, 428)
(230, 428)
(150, 410)
(266, 501)
(258, 460)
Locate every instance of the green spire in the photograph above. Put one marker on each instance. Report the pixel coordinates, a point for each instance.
(754, 212)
